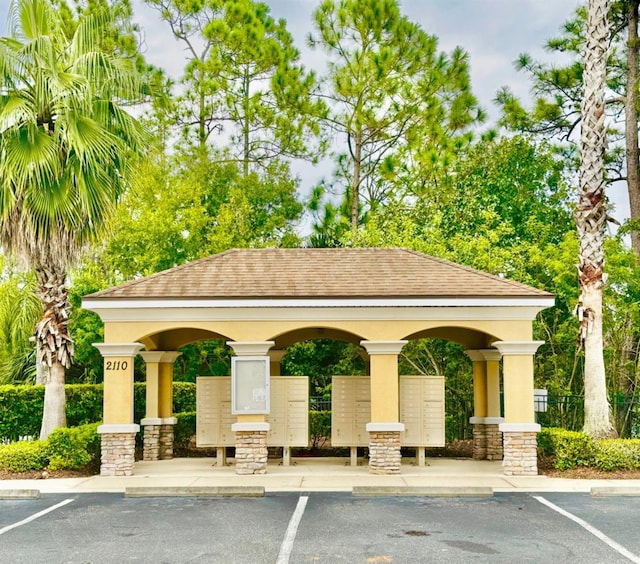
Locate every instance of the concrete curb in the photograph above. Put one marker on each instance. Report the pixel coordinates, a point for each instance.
(195, 491)
(427, 491)
(611, 491)
(20, 494)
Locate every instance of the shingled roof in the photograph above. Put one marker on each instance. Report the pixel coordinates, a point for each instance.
(319, 273)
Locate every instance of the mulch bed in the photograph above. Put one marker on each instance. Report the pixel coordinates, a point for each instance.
(43, 475)
(587, 473)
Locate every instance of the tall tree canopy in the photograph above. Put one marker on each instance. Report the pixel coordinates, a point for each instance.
(394, 101)
(243, 80)
(66, 148)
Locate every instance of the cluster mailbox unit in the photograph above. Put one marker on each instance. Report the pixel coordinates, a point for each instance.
(421, 411)
(288, 416)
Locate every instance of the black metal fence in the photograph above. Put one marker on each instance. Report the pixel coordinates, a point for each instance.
(319, 403)
(568, 412)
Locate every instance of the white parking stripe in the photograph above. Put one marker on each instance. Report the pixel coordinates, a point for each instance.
(292, 529)
(595, 532)
(35, 516)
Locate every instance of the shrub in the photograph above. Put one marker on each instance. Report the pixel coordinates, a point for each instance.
(617, 454)
(571, 448)
(74, 447)
(184, 429)
(319, 427)
(24, 456)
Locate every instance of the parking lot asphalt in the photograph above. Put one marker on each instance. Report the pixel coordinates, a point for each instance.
(319, 527)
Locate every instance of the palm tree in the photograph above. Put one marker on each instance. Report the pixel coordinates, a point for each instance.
(66, 151)
(20, 308)
(591, 216)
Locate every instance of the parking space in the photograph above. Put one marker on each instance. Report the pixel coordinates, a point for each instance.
(616, 517)
(105, 528)
(505, 528)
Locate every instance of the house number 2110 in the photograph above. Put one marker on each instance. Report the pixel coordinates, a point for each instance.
(116, 365)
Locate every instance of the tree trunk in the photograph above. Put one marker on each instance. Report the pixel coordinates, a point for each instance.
(42, 369)
(355, 183)
(631, 120)
(597, 413)
(54, 414)
(591, 219)
(245, 124)
(53, 344)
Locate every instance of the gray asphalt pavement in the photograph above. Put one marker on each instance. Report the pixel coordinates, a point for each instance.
(332, 527)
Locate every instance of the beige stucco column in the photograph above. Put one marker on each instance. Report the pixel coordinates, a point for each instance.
(493, 419)
(479, 404)
(159, 421)
(251, 429)
(118, 432)
(519, 429)
(385, 427)
(487, 438)
(275, 358)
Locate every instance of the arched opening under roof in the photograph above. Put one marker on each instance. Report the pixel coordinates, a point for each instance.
(467, 337)
(174, 338)
(442, 351)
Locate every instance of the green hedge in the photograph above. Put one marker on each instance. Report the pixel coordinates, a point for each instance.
(21, 406)
(20, 411)
(184, 429)
(572, 449)
(66, 449)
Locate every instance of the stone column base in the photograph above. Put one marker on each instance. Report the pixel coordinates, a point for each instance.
(479, 441)
(487, 438)
(166, 441)
(118, 448)
(158, 438)
(520, 457)
(151, 442)
(251, 447)
(384, 447)
(494, 442)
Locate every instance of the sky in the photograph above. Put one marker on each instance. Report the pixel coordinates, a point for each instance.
(493, 32)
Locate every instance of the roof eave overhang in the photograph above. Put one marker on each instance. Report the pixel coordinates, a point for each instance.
(95, 304)
(132, 310)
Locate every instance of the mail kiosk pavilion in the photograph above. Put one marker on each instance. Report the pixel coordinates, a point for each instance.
(260, 301)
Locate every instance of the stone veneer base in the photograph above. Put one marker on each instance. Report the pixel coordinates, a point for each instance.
(251, 452)
(494, 442)
(117, 454)
(479, 441)
(151, 442)
(520, 453)
(166, 442)
(384, 452)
